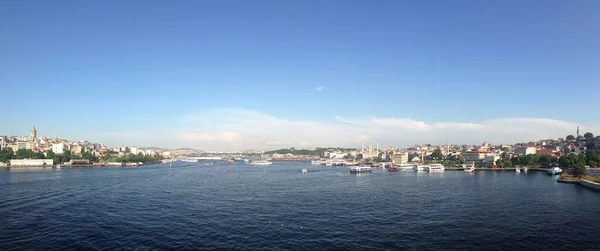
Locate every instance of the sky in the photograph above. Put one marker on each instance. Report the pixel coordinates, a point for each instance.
(274, 74)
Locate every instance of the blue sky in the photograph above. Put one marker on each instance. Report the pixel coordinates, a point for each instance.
(120, 71)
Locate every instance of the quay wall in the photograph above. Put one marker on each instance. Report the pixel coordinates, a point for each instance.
(590, 184)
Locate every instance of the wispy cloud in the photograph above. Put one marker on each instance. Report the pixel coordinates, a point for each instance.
(319, 88)
(243, 129)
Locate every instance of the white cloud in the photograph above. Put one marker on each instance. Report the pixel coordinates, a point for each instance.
(243, 129)
(319, 88)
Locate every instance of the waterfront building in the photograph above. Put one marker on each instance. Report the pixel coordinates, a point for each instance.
(133, 150)
(20, 145)
(526, 150)
(474, 155)
(79, 162)
(77, 149)
(399, 158)
(31, 162)
(58, 148)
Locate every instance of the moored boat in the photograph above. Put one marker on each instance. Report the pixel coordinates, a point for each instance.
(420, 168)
(392, 169)
(361, 169)
(406, 166)
(554, 171)
(436, 168)
(261, 163)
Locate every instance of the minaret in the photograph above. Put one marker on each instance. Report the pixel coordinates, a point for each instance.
(377, 145)
(578, 132)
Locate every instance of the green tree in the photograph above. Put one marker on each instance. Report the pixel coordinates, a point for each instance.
(6, 155)
(89, 156)
(26, 154)
(377, 159)
(588, 135)
(578, 169)
(437, 154)
(570, 137)
(66, 156)
(591, 156)
(508, 163)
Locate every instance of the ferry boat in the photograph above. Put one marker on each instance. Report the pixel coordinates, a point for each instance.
(419, 168)
(554, 171)
(261, 163)
(361, 169)
(436, 168)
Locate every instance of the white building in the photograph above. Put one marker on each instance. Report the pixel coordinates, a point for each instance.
(337, 155)
(31, 162)
(526, 150)
(491, 158)
(478, 155)
(166, 154)
(133, 150)
(58, 148)
(399, 158)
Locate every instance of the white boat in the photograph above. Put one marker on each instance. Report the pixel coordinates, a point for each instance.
(469, 169)
(436, 168)
(361, 169)
(419, 168)
(246, 160)
(261, 163)
(555, 170)
(58, 166)
(191, 160)
(518, 169)
(316, 162)
(406, 166)
(304, 171)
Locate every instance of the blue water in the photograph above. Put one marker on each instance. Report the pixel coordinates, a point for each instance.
(275, 207)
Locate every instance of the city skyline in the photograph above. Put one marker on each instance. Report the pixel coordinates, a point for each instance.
(268, 75)
(249, 119)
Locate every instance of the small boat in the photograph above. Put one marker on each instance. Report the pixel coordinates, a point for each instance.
(554, 171)
(304, 171)
(140, 163)
(57, 166)
(361, 169)
(97, 164)
(469, 169)
(392, 169)
(230, 161)
(261, 163)
(518, 169)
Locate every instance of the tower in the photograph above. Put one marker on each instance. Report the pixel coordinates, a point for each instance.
(578, 132)
(33, 134)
